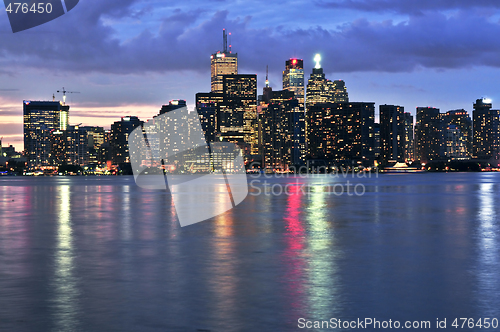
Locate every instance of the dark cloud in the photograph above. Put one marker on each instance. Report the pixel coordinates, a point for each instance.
(83, 41)
(408, 7)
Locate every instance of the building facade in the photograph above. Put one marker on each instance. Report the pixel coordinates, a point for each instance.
(342, 132)
(293, 78)
(428, 134)
(486, 130)
(460, 123)
(392, 133)
(222, 63)
(40, 119)
(120, 130)
(282, 132)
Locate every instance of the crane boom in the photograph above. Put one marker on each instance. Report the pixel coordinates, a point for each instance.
(64, 92)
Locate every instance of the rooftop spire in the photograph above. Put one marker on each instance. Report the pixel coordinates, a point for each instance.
(267, 74)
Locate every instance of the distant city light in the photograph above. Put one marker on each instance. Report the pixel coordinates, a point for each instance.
(317, 59)
(487, 100)
(294, 61)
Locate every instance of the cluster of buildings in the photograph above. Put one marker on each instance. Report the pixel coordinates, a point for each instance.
(279, 129)
(437, 136)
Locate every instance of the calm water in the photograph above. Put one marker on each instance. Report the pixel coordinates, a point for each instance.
(101, 254)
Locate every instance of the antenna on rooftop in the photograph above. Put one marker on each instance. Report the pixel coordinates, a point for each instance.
(224, 41)
(230, 42)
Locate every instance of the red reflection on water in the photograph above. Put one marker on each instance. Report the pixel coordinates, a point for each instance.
(293, 255)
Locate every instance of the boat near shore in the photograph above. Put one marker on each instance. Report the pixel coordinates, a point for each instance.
(401, 168)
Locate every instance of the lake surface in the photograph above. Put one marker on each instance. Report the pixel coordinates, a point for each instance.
(102, 254)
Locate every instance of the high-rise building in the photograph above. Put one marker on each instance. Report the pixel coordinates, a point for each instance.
(237, 116)
(342, 132)
(486, 130)
(392, 133)
(456, 144)
(409, 146)
(460, 122)
(428, 134)
(293, 78)
(322, 90)
(282, 131)
(70, 146)
(40, 119)
(97, 139)
(120, 130)
(222, 63)
(173, 105)
(376, 135)
(207, 106)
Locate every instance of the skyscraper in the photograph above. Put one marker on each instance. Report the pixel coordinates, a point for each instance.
(70, 146)
(322, 90)
(293, 78)
(342, 132)
(40, 119)
(455, 143)
(392, 133)
(409, 146)
(207, 106)
(428, 134)
(460, 122)
(237, 116)
(282, 129)
(173, 105)
(120, 131)
(222, 63)
(486, 130)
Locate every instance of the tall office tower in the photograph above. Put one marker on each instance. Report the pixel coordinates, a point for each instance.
(120, 130)
(376, 135)
(340, 92)
(222, 63)
(428, 134)
(293, 78)
(486, 130)
(463, 123)
(282, 130)
(96, 138)
(237, 116)
(40, 119)
(70, 146)
(267, 90)
(392, 133)
(455, 143)
(322, 90)
(173, 105)
(342, 132)
(409, 147)
(207, 106)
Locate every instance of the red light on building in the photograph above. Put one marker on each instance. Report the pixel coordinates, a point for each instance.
(294, 61)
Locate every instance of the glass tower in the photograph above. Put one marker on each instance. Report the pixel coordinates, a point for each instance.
(293, 78)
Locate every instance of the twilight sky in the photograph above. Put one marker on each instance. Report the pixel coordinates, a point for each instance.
(128, 57)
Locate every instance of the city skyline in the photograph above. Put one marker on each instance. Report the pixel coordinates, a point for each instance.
(181, 68)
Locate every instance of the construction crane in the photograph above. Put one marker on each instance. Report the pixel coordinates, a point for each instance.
(64, 92)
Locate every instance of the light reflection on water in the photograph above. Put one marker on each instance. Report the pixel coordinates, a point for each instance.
(102, 254)
(488, 263)
(66, 291)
